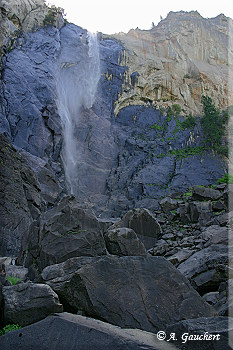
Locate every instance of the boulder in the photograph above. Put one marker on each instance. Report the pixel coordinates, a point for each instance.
(6, 260)
(26, 303)
(160, 248)
(215, 330)
(195, 211)
(224, 304)
(184, 213)
(168, 204)
(124, 241)
(215, 234)
(207, 268)
(218, 206)
(17, 271)
(139, 292)
(211, 297)
(68, 229)
(225, 218)
(144, 223)
(205, 193)
(67, 331)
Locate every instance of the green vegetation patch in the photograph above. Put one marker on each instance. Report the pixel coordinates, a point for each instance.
(49, 19)
(174, 110)
(190, 122)
(72, 232)
(12, 279)
(214, 125)
(227, 178)
(8, 328)
(188, 194)
(182, 153)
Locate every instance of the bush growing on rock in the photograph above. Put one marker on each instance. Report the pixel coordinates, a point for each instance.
(13, 280)
(213, 125)
(227, 178)
(189, 122)
(8, 328)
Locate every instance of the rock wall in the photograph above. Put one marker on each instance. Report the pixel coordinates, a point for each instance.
(19, 16)
(178, 60)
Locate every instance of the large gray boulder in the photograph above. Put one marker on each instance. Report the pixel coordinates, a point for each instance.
(195, 211)
(68, 229)
(215, 234)
(144, 223)
(205, 193)
(139, 292)
(168, 204)
(215, 329)
(20, 272)
(26, 303)
(207, 268)
(67, 331)
(124, 241)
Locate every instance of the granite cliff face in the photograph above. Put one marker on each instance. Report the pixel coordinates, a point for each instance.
(129, 152)
(180, 59)
(20, 16)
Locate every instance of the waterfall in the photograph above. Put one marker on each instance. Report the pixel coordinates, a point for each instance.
(77, 81)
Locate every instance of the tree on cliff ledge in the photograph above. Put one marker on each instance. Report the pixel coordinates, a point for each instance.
(213, 125)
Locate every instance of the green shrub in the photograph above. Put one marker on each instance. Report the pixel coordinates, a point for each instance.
(156, 126)
(187, 76)
(174, 110)
(12, 279)
(49, 19)
(189, 122)
(188, 194)
(8, 328)
(227, 178)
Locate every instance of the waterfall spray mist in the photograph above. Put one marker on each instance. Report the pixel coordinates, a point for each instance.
(76, 89)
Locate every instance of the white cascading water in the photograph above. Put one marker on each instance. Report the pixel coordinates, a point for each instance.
(76, 89)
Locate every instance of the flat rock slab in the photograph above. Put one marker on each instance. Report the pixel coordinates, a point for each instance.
(147, 293)
(26, 303)
(210, 327)
(67, 331)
